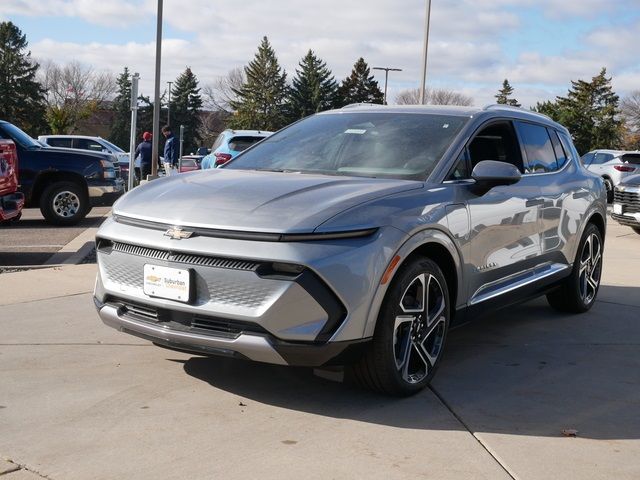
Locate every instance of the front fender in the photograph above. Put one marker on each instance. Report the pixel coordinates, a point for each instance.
(411, 244)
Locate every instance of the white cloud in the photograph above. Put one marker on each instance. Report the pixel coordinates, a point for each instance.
(467, 44)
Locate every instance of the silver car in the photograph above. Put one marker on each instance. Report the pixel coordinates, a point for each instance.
(613, 166)
(357, 237)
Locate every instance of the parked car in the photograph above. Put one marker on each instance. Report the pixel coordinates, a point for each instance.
(626, 203)
(231, 142)
(189, 163)
(357, 237)
(95, 144)
(11, 201)
(613, 166)
(64, 183)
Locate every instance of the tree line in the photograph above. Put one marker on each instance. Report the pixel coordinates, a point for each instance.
(57, 98)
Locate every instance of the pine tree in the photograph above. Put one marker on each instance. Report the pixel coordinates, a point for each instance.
(121, 127)
(21, 95)
(261, 102)
(504, 94)
(591, 113)
(359, 87)
(186, 103)
(313, 88)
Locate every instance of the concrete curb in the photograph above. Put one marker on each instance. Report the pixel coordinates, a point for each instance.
(77, 249)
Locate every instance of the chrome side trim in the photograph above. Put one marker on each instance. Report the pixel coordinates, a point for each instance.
(518, 280)
(99, 191)
(254, 347)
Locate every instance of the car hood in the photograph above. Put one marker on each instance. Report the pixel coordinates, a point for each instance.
(246, 200)
(632, 181)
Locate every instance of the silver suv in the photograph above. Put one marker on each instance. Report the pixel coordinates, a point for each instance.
(613, 166)
(357, 237)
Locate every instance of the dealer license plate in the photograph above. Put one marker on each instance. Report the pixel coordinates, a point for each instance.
(167, 282)
(617, 208)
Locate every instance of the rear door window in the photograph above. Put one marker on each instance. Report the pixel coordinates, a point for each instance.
(87, 144)
(601, 158)
(59, 142)
(240, 144)
(537, 145)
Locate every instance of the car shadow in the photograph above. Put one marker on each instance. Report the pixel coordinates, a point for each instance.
(527, 370)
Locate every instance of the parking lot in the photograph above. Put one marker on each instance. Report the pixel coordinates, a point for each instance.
(81, 401)
(31, 241)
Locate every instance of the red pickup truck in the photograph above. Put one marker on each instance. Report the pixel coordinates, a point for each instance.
(11, 201)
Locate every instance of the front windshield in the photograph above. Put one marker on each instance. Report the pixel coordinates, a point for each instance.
(113, 147)
(387, 145)
(20, 137)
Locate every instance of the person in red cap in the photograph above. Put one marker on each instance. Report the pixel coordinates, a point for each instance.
(143, 152)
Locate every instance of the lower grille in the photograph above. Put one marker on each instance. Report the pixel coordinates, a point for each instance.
(630, 201)
(185, 321)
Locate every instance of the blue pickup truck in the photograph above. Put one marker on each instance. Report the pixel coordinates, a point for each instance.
(63, 183)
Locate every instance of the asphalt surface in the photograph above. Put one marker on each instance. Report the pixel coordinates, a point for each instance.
(79, 400)
(32, 241)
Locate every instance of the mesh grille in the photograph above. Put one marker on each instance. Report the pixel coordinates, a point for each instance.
(187, 258)
(630, 201)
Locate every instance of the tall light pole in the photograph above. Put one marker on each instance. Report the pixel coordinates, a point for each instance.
(386, 78)
(156, 96)
(423, 84)
(169, 106)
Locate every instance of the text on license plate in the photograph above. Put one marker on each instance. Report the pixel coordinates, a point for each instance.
(167, 282)
(617, 208)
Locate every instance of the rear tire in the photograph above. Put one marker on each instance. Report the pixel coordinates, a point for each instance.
(578, 292)
(64, 203)
(410, 332)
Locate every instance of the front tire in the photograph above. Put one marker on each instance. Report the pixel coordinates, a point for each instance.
(578, 292)
(64, 203)
(608, 185)
(410, 332)
(636, 229)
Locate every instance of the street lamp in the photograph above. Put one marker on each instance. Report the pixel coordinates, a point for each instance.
(423, 84)
(156, 96)
(169, 106)
(386, 78)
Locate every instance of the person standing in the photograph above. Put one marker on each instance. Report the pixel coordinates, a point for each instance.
(170, 151)
(143, 151)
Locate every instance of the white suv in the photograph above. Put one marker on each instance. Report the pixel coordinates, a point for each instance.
(95, 144)
(613, 166)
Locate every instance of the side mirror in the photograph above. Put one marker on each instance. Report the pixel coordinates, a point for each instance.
(491, 173)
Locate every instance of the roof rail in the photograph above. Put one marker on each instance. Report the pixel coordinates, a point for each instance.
(500, 106)
(361, 104)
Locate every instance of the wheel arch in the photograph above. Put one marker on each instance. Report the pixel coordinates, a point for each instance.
(434, 244)
(47, 178)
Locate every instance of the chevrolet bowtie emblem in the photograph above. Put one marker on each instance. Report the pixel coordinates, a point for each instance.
(176, 233)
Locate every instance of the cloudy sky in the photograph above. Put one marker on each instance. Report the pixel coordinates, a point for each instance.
(539, 45)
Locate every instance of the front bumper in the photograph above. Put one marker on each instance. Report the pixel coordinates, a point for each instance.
(230, 342)
(627, 200)
(104, 192)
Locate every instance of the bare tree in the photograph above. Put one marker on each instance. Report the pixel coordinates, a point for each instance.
(436, 96)
(630, 107)
(220, 94)
(73, 93)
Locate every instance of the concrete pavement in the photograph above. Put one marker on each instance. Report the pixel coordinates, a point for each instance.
(81, 401)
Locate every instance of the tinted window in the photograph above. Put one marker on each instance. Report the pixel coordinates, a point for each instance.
(602, 158)
(537, 145)
(496, 142)
(631, 158)
(587, 158)
(561, 155)
(113, 147)
(240, 144)
(390, 145)
(568, 146)
(86, 144)
(59, 142)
